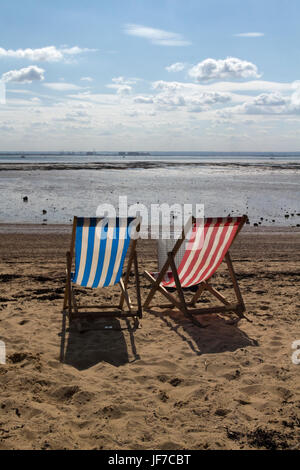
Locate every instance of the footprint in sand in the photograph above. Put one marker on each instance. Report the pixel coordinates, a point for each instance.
(252, 389)
(65, 393)
(275, 343)
(111, 412)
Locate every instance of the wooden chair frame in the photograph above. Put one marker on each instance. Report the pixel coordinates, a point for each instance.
(181, 303)
(76, 311)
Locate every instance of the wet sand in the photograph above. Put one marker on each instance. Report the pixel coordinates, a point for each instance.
(165, 385)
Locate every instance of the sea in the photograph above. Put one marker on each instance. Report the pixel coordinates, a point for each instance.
(50, 188)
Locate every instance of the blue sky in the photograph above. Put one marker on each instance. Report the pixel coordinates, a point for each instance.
(150, 75)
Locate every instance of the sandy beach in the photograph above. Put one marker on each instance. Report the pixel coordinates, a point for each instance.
(165, 385)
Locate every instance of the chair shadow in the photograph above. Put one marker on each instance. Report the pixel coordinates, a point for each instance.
(218, 335)
(100, 340)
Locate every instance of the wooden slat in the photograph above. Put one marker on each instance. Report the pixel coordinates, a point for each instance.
(178, 285)
(69, 285)
(163, 291)
(98, 306)
(132, 251)
(217, 294)
(184, 309)
(197, 294)
(137, 284)
(234, 280)
(125, 294)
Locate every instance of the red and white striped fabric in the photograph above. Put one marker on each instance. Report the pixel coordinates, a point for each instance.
(203, 256)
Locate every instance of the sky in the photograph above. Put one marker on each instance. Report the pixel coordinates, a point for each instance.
(125, 75)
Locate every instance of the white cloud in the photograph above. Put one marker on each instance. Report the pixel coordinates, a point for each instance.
(44, 54)
(274, 98)
(266, 104)
(87, 98)
(77, 116)
(171, 86)
(177, 67)
(143, 99)
(187, 94)
(124, 81)
(23, 91)
(75, 50)
(251, 86)
(229, 68)
(61, 86)
(295, 98)
(198, 100)
(156, 36)
(185, 111)
(233, 87)
(249, 35)
(121, 89)
(25, 75)
(122, 85)
(269, 99)
(170, 99)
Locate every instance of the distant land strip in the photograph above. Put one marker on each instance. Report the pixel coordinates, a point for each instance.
(139, 165)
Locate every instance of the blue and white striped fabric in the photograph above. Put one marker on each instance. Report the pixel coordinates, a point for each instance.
(100, 250)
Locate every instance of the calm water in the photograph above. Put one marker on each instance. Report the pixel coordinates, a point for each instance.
(262, 186)
(243, 158)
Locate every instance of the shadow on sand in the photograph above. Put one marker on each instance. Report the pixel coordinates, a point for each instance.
(99, 341)
(219, 334)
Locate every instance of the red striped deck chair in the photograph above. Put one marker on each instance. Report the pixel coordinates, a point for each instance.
(205, 249)
(99, 247)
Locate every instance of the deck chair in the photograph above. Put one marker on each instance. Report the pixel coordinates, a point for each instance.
(199, 261)
(99, 247)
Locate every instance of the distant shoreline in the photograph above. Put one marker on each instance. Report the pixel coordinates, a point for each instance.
(10, 166)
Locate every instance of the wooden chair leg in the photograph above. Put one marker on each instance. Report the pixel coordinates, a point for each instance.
(180, 292)
(241, 306)
(124, 284)
(66, 293)
(66, 296)
(163, 291)
(217, 294)
(197, 294)
(125, 294)
(126, 279)
(156, 283)
(150, 295)
(137, 283)
(70, 300)
(63, 337)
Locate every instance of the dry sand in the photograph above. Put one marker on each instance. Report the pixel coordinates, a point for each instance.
(166, 385)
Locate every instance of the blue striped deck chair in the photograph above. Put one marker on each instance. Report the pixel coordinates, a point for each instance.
(98, 250)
